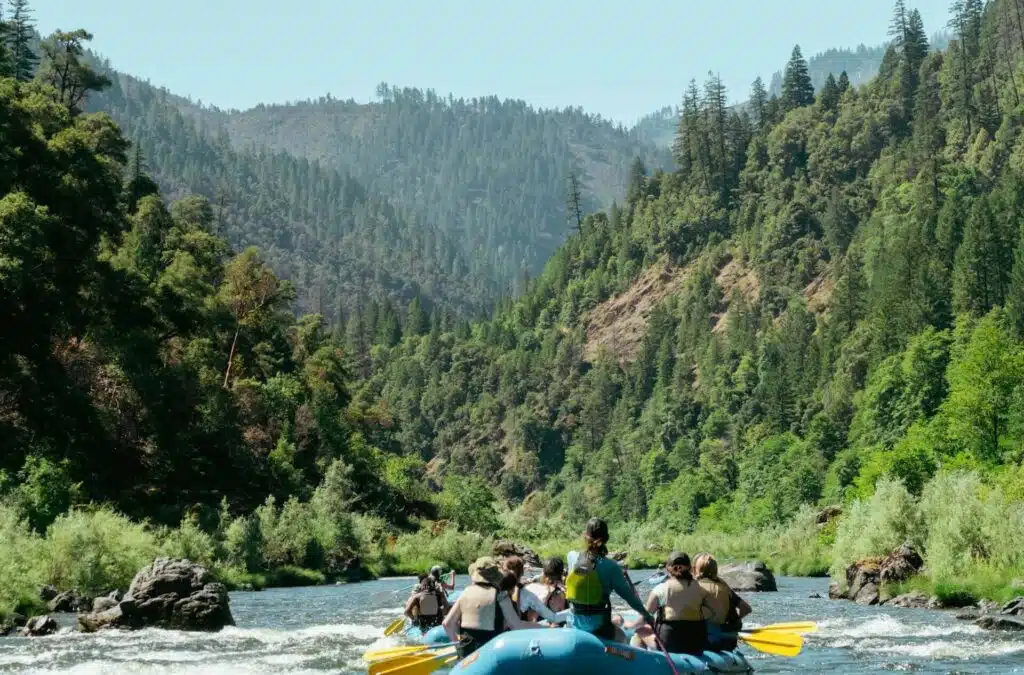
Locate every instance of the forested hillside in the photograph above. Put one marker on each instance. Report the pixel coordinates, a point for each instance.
(860, 65)
(491, 173)
(341, 245)
(833, 287)
(822, 307)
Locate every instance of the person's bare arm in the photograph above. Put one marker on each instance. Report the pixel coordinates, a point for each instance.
(452, 622)
(410, 604)
(652, 605)
(512, 619)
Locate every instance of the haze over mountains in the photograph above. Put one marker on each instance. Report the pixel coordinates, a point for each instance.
(454, 201)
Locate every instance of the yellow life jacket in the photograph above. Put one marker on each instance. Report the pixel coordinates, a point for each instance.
(583, 587)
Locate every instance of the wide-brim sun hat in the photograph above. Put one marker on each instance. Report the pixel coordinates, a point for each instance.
(486, 570)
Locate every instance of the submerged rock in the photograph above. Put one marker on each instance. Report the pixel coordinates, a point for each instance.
(969, 614)
(748, 576)
(39, 626)
(911, 600)
(170, 593)
(1000, 622)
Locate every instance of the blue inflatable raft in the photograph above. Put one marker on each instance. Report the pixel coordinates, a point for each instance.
(546, 651)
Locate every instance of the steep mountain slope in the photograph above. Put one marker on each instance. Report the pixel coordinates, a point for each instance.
(818, 303)
(339, 243)
(490, 172)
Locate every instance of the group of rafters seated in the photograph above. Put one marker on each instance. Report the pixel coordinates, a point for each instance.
(690, 611)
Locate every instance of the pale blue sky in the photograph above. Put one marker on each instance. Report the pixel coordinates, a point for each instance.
(621, 60)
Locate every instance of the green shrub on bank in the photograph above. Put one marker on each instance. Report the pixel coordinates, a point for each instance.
(452, 549)
(21, 575)
(96, 551)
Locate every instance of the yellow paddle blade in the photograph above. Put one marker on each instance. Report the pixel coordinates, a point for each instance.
(394, 626)
(801, 627)
(416, 664)
(779, 644)
(391, 652)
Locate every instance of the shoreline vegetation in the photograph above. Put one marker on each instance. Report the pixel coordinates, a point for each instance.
(832, 360)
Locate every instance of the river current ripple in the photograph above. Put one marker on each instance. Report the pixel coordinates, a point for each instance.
(326, 630)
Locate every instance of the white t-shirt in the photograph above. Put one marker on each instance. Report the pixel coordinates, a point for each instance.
(528, 600)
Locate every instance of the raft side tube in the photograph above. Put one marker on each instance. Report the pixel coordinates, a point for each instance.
(557, 651)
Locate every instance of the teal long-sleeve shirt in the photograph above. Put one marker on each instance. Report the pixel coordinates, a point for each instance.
(612, 579)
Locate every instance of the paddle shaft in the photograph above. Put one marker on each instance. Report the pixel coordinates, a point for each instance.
(661, 645)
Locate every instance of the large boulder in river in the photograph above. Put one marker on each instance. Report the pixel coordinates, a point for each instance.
(504, 549)
(170, 593)
(70, 601)
(39, 626)
(863, 580)
(900, 565)
(748, 576)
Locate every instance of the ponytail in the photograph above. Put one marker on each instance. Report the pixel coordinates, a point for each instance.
(596, 545)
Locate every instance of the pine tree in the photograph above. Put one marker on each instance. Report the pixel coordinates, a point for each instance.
(899, 25)
(984, 260)
(830, 94)
(21, 31)
(759, 104)
(6, 61)
(416, 320)
(797, 88)
(715, 101)
(637, 181)
(1015, 294)
(844, 82)
(573, 201)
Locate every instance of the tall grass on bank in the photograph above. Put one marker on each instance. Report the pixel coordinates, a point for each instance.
(968, 530)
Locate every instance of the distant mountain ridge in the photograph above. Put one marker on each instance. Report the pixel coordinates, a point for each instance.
(488, 171)
(861, 64)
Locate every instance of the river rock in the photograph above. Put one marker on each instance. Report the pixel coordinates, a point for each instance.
(969, 614)
(862, 580)
(1014, 607)
(102, 604)
(70, 601)
(1000, 622)
(753, 575)
(47, 593)
(814, 596)
(900, 565)
(618, 556)
(170, 593)
(505, 549)
(835, 591)
(39, 626)
(911, 600)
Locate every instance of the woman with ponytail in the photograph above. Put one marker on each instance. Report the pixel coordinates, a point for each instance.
(591, 581)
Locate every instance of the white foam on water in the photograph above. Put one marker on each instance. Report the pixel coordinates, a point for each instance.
(888, 626)
(944, 649)
(104, 668)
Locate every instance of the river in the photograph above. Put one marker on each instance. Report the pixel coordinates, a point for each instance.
(326, 629)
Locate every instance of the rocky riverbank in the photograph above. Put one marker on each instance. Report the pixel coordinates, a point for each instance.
(170, 593)
(868, 582)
